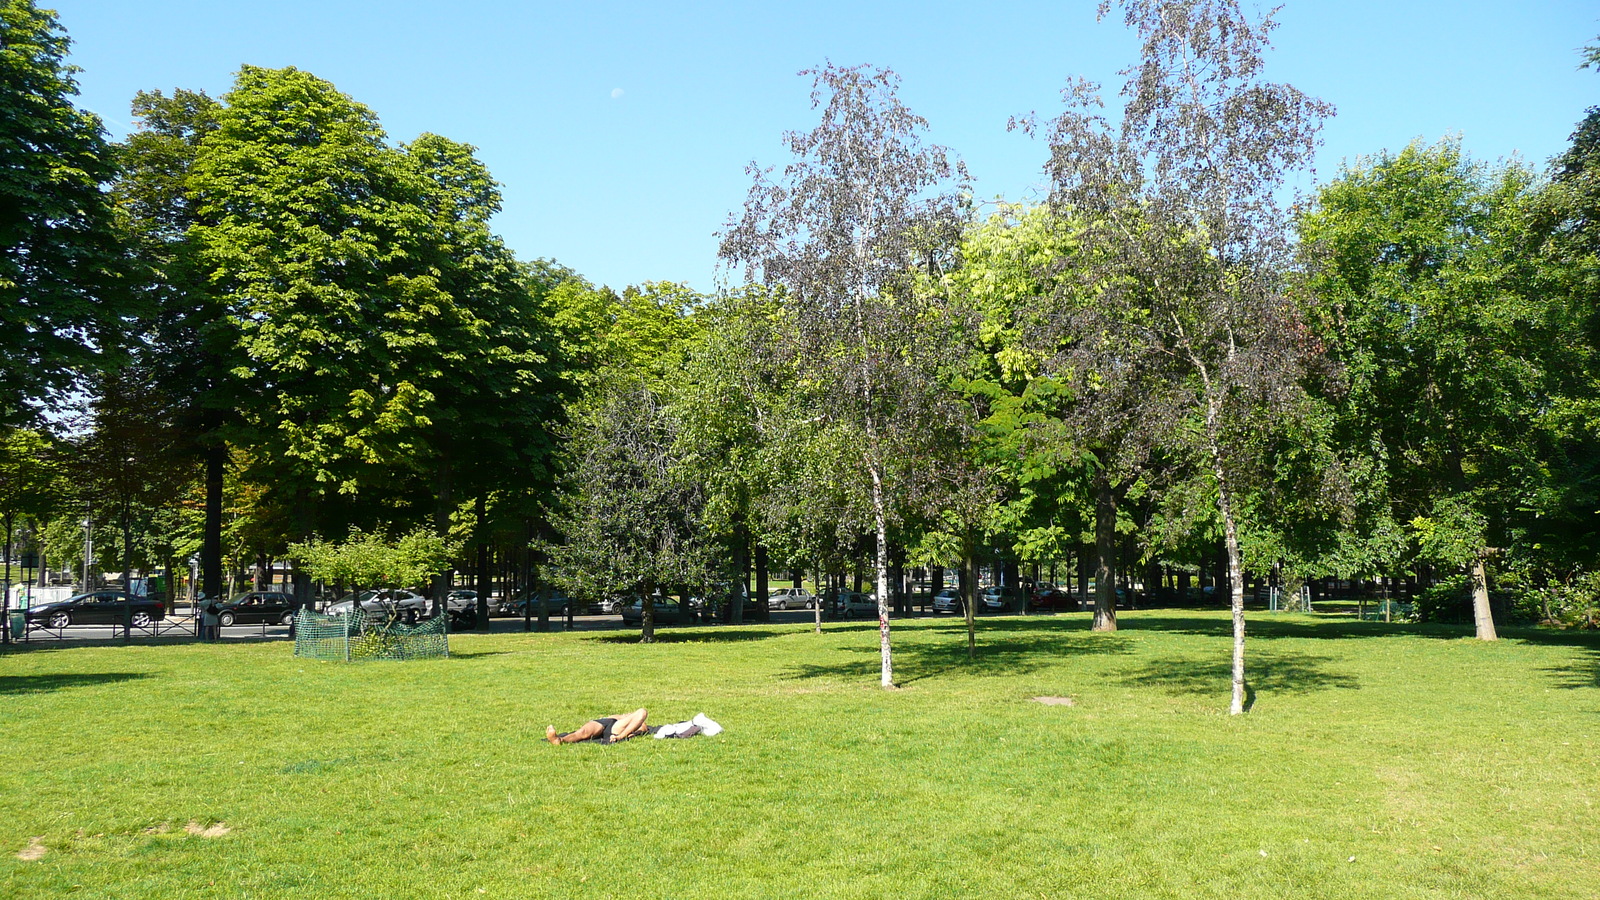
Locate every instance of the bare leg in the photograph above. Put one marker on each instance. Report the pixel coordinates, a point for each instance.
(629, 725)
(586, 731)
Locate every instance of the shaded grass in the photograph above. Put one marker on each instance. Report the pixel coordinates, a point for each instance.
(1446, 767)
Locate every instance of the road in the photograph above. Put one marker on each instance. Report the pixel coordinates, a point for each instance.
(182, 627)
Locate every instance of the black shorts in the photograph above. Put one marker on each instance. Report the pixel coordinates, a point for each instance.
(605, 730)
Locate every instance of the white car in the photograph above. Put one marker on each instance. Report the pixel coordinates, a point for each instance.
(947, 600)
(791, 598)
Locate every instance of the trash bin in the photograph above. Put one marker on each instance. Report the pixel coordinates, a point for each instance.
(19, 622)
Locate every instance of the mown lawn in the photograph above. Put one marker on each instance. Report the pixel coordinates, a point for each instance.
(1378, 762)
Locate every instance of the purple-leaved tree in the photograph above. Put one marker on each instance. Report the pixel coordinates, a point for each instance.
(844, 229)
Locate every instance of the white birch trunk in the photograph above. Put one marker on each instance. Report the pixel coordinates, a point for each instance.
(1235, 598)
(1230, 536)
(881, 520)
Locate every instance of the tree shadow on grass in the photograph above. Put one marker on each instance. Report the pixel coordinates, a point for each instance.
(1015, 653)
(1265, 625)
(474, 654)
(694, 636)
(1325, 626)
(1583, 673)
(39, 684)
(1267, 672)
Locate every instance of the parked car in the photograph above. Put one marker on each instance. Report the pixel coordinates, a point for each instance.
(854, 604)
(255, 608)
(406, 605)
(791, 598)
(948, 600)
(526, 603)
(665, 612)
(97, 608)
(461, 600)
(1001, 598)
(1048, 596)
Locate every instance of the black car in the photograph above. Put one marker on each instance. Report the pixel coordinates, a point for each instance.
(255, 608)
(97, 608)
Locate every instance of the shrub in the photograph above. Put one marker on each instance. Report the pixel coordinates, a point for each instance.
(1449, 601)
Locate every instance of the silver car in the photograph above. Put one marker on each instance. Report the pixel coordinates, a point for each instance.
(401, 604)
(853, 604)
(791, 598)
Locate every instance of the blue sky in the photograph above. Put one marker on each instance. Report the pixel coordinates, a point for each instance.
(621, 130)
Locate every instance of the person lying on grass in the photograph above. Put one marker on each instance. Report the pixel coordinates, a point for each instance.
(611, 729)
(606, 729)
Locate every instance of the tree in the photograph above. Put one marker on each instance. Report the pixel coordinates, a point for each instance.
(492, 369)
(844, 231)
(1422, 259)
(30, 485)
(1554, 534)
(62, 306)
(1183, 245)
(633, 515)
(187, 341)
(373, 559)
(130, 461)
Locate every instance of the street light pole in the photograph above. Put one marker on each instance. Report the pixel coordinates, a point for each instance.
(88, 544)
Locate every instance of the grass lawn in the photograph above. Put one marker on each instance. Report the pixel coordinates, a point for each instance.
(1379, 761)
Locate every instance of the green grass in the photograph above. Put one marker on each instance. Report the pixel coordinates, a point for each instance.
(1378, 761)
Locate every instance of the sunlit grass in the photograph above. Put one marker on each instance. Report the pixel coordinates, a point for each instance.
(1378, 761)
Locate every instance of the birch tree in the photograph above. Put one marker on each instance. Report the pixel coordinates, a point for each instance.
(1183, 240)
(843, 228)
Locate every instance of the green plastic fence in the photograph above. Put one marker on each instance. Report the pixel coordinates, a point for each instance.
(360, 635)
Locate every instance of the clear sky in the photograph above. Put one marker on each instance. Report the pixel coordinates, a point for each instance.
(621, 130)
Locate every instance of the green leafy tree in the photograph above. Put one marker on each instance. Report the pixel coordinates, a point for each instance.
(31, 485)
(1554, 537)
(632, 521)
(187, 341)
(62, 302)
(490, 357)
(373, 559)
(1423, 265)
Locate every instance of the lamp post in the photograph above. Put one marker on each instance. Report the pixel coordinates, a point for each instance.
(88, 548)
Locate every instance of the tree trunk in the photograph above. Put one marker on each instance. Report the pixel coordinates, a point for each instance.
(647, 619)
(763, 585)
(969, 593)
(1085, 554)
(481, 619)
(1235, 595)
(1105, 544)
(216, 459)
(302, 530)
(880, 519)
(741, 568)
(1230, 541)
(1482, 616)
(821, 594)
(444, 506)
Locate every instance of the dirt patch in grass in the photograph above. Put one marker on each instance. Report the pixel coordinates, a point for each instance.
(33, 852)
(1055, 701)
(208, 831)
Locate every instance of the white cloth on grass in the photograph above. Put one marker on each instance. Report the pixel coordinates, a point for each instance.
(705, 726)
